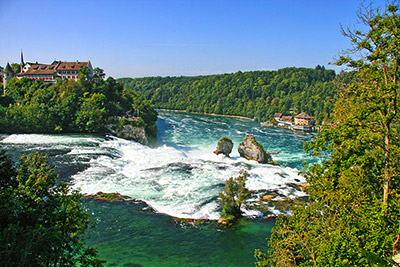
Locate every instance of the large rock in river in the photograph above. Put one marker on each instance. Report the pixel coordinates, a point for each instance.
(224, 146)
(251, 149)
(130, 132)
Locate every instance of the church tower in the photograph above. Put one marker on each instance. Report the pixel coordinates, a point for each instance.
(22, 61)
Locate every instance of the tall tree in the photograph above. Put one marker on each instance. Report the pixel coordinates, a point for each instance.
(353, 214)
(377, 85)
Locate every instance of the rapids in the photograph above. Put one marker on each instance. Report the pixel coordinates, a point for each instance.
(181, 177)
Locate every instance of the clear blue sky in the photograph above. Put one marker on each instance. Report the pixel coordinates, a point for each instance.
(137, 38)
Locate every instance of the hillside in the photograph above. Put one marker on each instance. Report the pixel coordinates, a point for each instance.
(256, 94)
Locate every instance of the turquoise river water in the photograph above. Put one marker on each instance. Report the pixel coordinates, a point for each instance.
(181, 177)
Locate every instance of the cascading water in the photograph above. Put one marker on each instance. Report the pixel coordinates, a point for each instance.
(181, 176)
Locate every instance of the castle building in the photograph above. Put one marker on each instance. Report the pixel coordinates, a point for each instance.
(47, 72)
(57, 69)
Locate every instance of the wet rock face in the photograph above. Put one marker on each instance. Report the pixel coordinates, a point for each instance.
(130, 132)
(224, 146)
(252, 150)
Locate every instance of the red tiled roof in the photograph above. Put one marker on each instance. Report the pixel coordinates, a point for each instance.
(37, 69)
(42, 69)
(71, 65)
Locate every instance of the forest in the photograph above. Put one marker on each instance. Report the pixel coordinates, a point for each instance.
(255, 94)
(69, 106)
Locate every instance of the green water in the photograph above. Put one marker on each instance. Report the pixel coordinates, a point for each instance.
(182, 178)
(127, 234)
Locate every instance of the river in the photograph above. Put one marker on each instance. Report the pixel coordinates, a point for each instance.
(181, 177)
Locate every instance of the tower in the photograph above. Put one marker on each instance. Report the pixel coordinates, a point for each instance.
(22, 61)
(8, 73)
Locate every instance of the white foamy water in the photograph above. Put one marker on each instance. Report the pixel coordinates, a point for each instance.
(182, 176)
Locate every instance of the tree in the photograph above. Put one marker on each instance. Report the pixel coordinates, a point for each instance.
(353, 216)
(90, 116)
(233, 197)
(16, 67)
(98, 73)
(42, 222)
(83, 74)
(257, 94)
(377, 85)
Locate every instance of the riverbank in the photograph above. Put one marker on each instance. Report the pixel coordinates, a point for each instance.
(209, 114)
(298, 128)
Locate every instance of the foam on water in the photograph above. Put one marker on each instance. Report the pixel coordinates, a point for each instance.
(181, 182)
(50, 139)
(182, 176)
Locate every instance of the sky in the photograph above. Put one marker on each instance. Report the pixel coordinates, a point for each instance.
(140, 38)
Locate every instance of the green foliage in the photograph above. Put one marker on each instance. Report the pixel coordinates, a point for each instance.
(42, 222)
(69, 106)
(7, 172)
(257, 94)
(353, 215)
(233, 197)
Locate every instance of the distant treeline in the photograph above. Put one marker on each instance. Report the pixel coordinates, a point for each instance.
(68, 106)
(256, 94)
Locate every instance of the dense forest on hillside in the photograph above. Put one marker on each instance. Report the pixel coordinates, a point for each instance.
(257, 94)
(70, 106)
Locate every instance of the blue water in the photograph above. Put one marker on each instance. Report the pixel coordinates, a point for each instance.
(180, 178)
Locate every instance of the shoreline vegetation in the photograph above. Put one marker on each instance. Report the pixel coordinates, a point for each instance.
(82, 106)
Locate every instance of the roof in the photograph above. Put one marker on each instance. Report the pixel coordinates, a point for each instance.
(277, 115)
(8, 69)
(42, 69)
(303, 115)
(71, 65)
(288, 118)
(37, 68)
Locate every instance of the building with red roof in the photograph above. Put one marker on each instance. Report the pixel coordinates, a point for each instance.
(50, 72)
